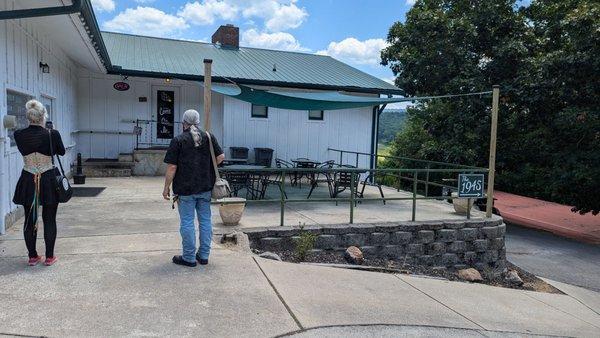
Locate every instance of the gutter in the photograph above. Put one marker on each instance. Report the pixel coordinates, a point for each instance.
(43, 11)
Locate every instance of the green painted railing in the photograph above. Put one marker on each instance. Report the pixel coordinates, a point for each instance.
(356, 174)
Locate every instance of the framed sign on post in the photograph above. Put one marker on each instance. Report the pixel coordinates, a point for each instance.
(165, 105)
(470, 185)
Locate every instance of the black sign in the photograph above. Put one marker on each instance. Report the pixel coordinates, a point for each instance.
(470, 185)
(165, 105)
(121, 86)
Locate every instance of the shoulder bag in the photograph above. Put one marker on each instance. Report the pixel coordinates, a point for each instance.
(221, 188)
(62, 185)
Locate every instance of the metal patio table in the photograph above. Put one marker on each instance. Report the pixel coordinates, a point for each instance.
(303, 163)
(251, 180)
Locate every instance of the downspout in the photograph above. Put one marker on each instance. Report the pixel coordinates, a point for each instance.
(3, 141)
(43, 11)
(377, 110)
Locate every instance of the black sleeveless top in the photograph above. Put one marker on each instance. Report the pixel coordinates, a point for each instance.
(30, 140)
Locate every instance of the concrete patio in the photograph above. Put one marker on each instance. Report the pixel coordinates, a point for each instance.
(114, 278)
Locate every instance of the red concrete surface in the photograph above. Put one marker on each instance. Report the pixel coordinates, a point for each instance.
(548, 216)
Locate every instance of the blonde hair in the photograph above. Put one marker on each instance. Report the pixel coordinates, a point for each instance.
(192, 118)
(36, 112)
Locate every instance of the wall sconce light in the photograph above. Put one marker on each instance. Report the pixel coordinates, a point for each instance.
(167, 80)
(45, 68)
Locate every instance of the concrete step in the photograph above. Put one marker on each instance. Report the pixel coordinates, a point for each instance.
(108, 163)
(126, 157)
(91, 171)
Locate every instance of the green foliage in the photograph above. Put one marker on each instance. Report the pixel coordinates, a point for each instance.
(391, 122)
(544, 57)
(304, 243)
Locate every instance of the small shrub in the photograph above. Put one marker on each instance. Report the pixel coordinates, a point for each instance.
(304, 243)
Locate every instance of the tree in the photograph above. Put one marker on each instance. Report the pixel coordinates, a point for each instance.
(543, 56)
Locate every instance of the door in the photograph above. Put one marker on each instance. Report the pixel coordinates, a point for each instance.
(165, 115)
(49, 104)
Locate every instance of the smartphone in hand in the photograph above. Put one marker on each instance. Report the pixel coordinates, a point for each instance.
(49, 125)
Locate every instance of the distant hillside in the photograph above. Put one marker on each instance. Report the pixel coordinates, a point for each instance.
(391, 122)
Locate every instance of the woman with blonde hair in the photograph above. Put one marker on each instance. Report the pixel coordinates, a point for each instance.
(37, 185)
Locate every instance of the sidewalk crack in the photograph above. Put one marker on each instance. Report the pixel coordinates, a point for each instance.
(287, 307)
(441, 303)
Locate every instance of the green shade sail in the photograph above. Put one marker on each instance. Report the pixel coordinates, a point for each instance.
(302, 100)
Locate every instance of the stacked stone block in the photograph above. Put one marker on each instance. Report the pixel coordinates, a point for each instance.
(442, 244)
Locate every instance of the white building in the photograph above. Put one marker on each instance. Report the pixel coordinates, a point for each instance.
(58, 55)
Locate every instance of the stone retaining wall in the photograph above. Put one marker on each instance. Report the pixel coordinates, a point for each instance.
(447, 244)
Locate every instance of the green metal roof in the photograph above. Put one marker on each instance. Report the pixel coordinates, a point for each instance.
(150, 56)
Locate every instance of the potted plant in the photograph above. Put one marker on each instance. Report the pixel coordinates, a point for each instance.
(231, 213)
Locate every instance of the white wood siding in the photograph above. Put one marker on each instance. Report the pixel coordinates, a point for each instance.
(103, 109)
(22, 47)
(291, 134)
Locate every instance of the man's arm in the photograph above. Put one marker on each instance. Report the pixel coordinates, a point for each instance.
(169, 175)
(220, 159)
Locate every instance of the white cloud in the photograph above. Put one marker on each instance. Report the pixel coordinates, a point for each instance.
(279, 40)
(206, 12)
(411, 2)
(103, 5)
(357, 52)
(278, 15)
(146, 21)
(144, 1)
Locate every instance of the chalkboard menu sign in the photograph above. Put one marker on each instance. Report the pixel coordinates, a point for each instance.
(470, 185)
(165, 114)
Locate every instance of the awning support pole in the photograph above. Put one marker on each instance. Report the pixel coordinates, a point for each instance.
(492, 161)
(207, 93)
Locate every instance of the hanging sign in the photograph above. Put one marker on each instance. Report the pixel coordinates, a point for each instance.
(121, 86)
(165, 104)
(470, 185)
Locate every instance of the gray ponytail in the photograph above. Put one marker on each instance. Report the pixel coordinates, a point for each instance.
(192, 118)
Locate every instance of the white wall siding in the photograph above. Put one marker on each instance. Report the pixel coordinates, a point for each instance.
(104, 110)
(22, 47)
(291, 134)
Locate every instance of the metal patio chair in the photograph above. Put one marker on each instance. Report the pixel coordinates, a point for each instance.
(315, 177)
(342, 180)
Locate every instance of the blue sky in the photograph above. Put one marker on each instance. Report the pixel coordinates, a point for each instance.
(350, 30)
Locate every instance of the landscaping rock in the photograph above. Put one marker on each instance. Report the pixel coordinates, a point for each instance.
(512, 277)
(470, 275)
(270, 255)
(353, 255)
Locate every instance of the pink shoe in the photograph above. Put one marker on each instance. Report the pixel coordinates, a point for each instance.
(33, 261)
(50, 260)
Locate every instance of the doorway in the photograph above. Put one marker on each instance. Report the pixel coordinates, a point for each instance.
(165, 115)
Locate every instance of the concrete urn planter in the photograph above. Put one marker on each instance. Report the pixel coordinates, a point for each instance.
(460, 204)
(231, 213)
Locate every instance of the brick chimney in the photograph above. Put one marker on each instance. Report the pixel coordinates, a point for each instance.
(227, 36)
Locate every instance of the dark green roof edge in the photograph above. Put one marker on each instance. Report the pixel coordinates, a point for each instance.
(90, 18)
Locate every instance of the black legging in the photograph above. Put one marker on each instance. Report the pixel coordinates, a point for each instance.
(49, 218)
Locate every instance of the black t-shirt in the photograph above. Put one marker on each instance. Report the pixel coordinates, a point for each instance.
(195, 173)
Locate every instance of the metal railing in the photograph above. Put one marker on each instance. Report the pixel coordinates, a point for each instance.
(436, 180)
(355, 175)
(146, 134)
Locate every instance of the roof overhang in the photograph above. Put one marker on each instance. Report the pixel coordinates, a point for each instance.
(243, 81)
(70, 24)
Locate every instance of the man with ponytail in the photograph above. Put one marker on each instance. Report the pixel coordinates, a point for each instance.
(190, 171)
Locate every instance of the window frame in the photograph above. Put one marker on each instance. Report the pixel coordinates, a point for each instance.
(252, 115)
(322, 118)
(29, 96)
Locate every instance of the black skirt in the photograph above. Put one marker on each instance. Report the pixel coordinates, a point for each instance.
(25, 188)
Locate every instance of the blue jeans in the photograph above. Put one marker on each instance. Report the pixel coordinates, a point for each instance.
(200, 203)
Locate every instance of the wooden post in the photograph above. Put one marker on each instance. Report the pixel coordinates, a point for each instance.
(492, 163)
(207, 93)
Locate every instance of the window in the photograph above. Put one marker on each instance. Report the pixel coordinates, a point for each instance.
(316, 115)
(260, 111)
(15, 104)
